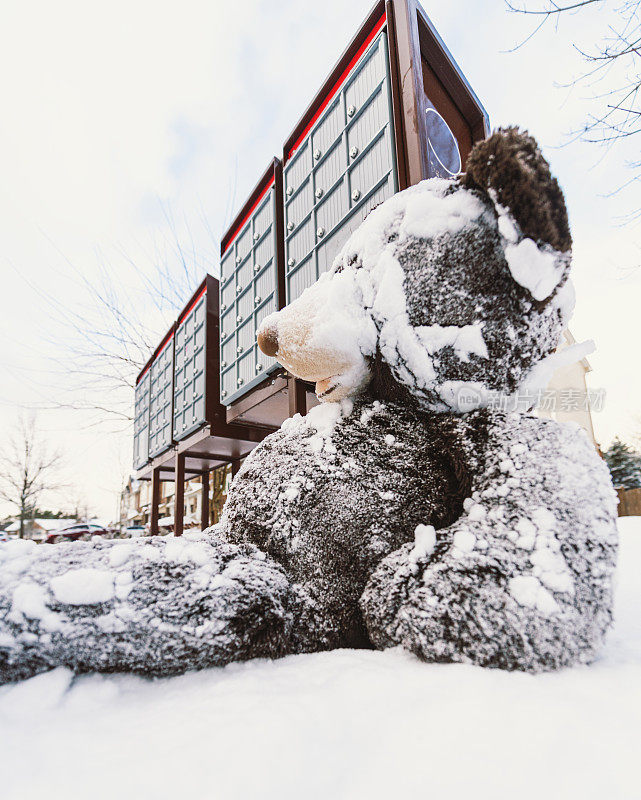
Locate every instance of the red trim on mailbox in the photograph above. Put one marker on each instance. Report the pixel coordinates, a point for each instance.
(335, 88)
(168, 337)
(142, 374)
(251, 210)
(200, 291)
(192, 305)
(163, 344)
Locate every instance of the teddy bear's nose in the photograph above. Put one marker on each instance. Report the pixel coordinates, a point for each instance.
(267, 339)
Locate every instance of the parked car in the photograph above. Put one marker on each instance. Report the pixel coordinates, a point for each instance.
(83, 530)
(134, 531)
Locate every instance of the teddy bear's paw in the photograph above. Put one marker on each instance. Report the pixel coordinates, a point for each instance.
(446, 608)
(157, 606)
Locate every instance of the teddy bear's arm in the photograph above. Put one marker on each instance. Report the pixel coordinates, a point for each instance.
(155, 606)
(523, 579)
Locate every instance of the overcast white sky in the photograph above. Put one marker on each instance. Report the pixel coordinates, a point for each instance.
(118, 114)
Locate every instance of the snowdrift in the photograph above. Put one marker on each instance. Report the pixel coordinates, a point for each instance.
(343, 724)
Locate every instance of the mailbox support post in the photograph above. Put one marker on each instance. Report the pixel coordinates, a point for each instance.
(179, 494)
(204, 502)
(155, 499)
(235, 466)
(297, 397)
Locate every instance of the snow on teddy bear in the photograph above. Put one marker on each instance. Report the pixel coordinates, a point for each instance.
(405, 509)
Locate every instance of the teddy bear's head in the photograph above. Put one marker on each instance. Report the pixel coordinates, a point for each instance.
(448, 291)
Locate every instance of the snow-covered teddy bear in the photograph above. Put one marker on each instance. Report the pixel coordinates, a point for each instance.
(408, 508)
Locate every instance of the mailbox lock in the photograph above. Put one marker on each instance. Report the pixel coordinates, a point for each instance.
(317, 154)
(223, 393)
(355, 195)
(239, 289)
(240, 381)
(290, 226)
(319, 193)
(291, 262)
(239, 318)
(256, 267)
(223, 307)
(238, 259)
(257, 299)
(290, 191)
(239, 349)
(259, 367)
(223, 364)
(320, 232)
(354, 151)
(351, 110)
(256, 236)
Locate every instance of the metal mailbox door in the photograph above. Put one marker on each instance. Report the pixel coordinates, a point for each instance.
(189, 369)
(248, 288)
(160, 399)
(343, 167)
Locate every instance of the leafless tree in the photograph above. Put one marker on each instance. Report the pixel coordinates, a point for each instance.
(612, 70)
(107, 339)
(27, 469)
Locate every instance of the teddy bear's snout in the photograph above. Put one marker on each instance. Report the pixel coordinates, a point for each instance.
(267, 339)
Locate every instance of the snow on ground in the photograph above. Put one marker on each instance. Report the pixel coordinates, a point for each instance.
(347, 724)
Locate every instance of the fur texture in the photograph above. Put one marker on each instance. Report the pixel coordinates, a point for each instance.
(519, 581)
(172, 605)
(463, 279)
(381, 468)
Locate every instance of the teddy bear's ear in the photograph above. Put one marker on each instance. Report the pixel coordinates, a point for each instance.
(510, 167)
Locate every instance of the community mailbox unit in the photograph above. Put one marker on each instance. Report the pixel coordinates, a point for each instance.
(396, 109)
(180, 426)
(170, 396)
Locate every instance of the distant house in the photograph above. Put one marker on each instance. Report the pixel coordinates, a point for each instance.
(568, 394)
(37, 529)
(135, 501)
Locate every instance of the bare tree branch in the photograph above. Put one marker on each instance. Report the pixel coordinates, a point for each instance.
(107, 339)
(552, 9)
(614, 63)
